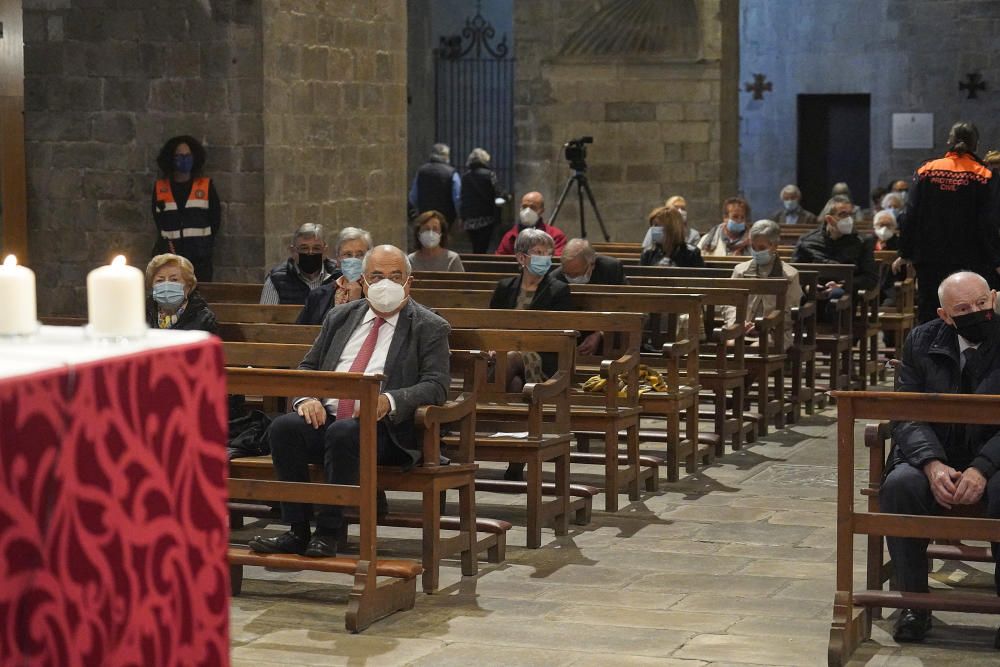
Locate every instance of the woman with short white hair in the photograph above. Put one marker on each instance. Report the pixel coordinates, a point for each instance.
(174, 302)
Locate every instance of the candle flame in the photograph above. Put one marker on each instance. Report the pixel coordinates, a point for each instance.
(118, 261)
(10, 261)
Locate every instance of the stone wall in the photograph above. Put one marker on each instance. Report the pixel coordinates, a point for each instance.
(908, 55)
(105, 85)
(334, 117)
(646, 81)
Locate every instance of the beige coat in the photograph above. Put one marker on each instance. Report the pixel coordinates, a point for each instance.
(760, 305)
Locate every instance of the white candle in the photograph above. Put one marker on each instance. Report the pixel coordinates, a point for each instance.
(116, 303)
(18, 312)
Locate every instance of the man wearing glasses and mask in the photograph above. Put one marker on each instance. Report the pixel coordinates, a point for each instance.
(306, 268)
(388, 333)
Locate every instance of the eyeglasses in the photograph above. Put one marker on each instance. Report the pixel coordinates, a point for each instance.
(360, 254)
(842, 215)
(309, 249)
(396, 277)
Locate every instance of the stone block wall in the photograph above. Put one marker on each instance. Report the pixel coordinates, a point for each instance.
(106, 83)
(334, 82)
(656, 108)
(908, 55)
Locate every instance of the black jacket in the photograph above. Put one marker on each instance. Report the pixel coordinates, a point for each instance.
(607, 271)
(817, 247)
(479, 193)
(318, 304)
(684, 254)
(434, 182)
(289, 284)
(197, 316)
(931, 365)
(550, 294)
(948, 218)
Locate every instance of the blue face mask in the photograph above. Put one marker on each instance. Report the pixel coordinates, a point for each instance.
(351, 268)
(539, 264)
(183, 163)
(735, 227)
(762, 257)
(656, 234)
(790, 204)
(168, 294)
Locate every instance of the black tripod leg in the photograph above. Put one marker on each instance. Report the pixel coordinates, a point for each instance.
(593, 204)
(579, 194)
(562, 198)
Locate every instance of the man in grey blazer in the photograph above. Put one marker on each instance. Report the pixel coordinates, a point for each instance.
(384, 333)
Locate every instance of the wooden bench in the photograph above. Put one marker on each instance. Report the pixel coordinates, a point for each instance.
(430, 479)
(255, 313)
(231, 292)
(853, 609)
(369, 599)
(607, 413)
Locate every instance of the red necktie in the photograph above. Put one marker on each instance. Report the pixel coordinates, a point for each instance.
(345, 407)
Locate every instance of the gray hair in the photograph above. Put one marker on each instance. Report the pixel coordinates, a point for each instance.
(955, 277)
(840, 189)
(791, 189)
(407, 267)
(352, 234)
(440, 153)
(766, 228)
(308, 230)
(892, 196)
(478, 156)
(831, 202)
(884, 214)
(529, 238)
(578, 248)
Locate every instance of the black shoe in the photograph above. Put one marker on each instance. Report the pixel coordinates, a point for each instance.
(286, 543)
(912, 625)
(322, 546)
(382, 505)
(514, 472)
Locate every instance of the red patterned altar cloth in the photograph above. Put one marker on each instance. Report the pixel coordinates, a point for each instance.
(113, 523)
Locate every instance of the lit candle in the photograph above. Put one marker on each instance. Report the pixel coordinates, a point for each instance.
(18, 313)
(116, 303)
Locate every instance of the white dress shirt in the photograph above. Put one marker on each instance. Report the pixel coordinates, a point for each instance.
(376, 364)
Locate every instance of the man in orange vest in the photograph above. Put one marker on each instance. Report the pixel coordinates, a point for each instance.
(185, 205)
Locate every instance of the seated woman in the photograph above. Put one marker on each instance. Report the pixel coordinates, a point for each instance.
(765, 235)
(174, 302)
(729, 237)
(430, 232)
(668, 245)
(691, 235)
(352, 245)
(532, 289)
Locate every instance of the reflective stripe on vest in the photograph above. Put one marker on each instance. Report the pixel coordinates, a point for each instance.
(198, 199)
(187, 232)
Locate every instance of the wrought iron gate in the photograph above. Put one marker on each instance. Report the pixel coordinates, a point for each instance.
(474, 97)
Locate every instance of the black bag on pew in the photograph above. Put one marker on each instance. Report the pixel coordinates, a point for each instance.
(248, 435)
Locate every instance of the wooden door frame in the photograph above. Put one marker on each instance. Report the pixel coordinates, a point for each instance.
(13, 175)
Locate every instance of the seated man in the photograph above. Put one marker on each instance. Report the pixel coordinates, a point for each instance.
(532, 208)
(942, 465)
(385, 333)
(765, 235)
(729, 237)
(836, 242)
(581, 265)
(306, 269)
(352, 245)
(791, 211)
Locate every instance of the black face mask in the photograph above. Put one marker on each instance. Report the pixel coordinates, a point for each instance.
(977, 326)
(310, 263)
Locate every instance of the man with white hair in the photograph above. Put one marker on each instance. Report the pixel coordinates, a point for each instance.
(944, 465)
(306, 268)
(791, 211)
(437, 186)
(581, 265)
(385, 333)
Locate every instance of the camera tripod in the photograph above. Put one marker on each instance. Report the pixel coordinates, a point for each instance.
(582, 185)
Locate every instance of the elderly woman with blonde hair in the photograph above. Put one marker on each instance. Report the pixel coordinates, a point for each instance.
(174, 302)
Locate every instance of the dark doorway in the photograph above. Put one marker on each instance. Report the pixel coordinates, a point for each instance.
(834, 145)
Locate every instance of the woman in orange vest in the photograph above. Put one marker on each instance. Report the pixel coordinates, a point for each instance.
(185, 205)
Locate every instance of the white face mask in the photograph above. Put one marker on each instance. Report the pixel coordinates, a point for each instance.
(884, 233)
(845, 225)
(581, 279)
(429, 238)
(385, 296)
(528, 217)
(684, 214)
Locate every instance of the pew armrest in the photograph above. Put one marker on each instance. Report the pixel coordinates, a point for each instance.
(540, 392)
(678, 349)
(611, 370)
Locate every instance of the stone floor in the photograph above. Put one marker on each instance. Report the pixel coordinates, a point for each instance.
(734, 566)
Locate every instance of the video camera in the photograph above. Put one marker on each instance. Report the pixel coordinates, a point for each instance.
(576, 152)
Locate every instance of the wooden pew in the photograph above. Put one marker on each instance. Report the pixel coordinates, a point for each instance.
(853, 609)
(607, 413)
(255, 313)
(230, 292)
(429, 478)
(369, 600)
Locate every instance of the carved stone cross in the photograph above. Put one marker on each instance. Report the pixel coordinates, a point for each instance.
(759, 85)
(973, 84)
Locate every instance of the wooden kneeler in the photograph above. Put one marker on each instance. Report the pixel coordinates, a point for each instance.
(853, 610)
(369, 600)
